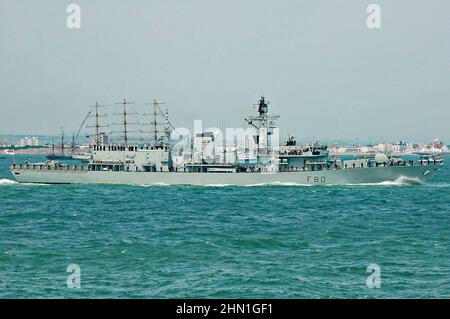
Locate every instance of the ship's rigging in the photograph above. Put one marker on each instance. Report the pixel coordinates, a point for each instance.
(94, 113)
(160, 131)
(125, 123)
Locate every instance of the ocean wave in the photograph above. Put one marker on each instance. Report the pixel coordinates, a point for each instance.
(277, 184)
(254, 185)
(401, 181)
(218, 185)
(289, 184)
(151, 185)
(438, 185)
(6, 181)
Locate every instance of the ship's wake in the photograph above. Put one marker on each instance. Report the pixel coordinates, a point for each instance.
(6, 181)
(278, 184)
(151, 185)
(438, 185)
(219, 185)
(401, 181)
(258, 184)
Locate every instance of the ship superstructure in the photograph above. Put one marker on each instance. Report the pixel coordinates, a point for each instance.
(258, 160)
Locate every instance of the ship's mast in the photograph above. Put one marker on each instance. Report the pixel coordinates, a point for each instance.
(97, 124)
(168, 127)
(264, 124)
(62, 141)
(97, 134)
(263, 120)
(73, 143)
(155, 124)
(125, 124)
(157, 139)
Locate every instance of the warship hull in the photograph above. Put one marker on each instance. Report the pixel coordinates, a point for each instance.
(405, 174)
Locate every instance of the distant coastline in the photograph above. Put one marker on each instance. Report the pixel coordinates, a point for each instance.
(17, 144)
(39, 150)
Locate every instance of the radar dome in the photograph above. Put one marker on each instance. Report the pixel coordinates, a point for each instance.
(381, 158)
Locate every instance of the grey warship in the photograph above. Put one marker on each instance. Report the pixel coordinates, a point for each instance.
(161, 163)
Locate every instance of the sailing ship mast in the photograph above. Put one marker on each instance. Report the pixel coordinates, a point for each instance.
(62, 141)
(158, 139)
(97, 124)
(53, 146)
(72, 146)
(125, 124)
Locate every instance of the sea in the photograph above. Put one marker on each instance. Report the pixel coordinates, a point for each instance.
(387, 240)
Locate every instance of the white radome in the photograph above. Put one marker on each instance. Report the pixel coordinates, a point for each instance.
(381, 158)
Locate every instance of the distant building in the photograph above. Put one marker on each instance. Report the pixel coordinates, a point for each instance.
(204, 148)
(4, 143)
(384, 148)
(437, 144)
(399, 147)
(102, 139)
(29, 141)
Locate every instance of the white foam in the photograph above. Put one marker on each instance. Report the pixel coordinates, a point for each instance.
(401, 181)
(153, 184)
(277, 184)
(6, 181)
(438, 185)
(255, 185)
(289, 184)
(218, 185)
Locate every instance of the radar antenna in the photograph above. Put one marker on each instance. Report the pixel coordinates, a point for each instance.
(263, 119)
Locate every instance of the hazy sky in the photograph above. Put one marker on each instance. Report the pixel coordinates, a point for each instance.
(324, 71)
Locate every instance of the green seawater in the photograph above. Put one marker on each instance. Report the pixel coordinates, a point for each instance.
(224, 242)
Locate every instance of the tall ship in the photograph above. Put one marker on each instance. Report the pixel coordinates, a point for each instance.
(62, 155)
(257, 159)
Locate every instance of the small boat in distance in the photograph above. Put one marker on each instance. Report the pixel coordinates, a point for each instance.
(61, 156)
(86, 157)
(9, 152)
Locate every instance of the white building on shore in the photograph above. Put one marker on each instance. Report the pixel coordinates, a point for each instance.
(399, 148)
(29, 141)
